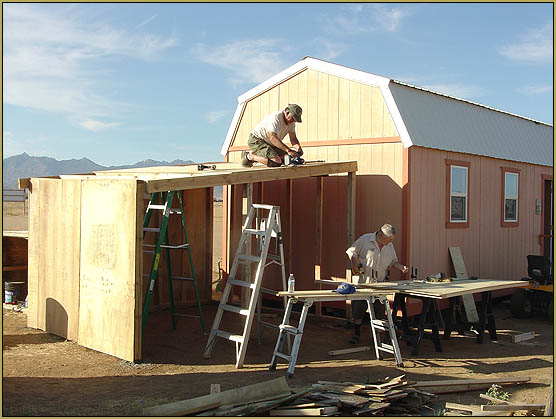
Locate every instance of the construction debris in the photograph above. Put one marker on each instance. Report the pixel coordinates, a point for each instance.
(523, 336)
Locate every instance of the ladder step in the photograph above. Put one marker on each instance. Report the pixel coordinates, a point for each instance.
(156, 206)
(252, 258)
(151, 229)
(289, 329)
(181, 278)
(263, 206)
(229, 336)
(274, 257)
(148, 252)
(242, 283)
(254, 231)
(175, 247)
(386, 348)
(235, 309)
(281, 355)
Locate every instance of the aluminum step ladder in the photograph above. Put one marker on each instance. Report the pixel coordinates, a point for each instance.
(384, 326)
(162, 243)
(265, 229)
(287, 329)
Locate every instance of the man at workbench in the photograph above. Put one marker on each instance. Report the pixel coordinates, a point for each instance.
(371, 256)
(265, 141)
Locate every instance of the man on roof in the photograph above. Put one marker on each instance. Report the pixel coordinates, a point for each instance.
(266, 140)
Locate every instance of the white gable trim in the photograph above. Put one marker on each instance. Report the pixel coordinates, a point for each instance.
(332, 69)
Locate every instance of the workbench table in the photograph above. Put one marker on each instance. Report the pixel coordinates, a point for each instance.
(311, 296)
(430, 293)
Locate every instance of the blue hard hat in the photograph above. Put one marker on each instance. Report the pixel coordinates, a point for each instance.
(345, 288)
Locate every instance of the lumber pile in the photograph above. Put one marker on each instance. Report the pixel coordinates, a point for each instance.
(388, 397)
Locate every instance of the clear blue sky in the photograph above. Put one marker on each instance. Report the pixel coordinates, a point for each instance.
(120, 83)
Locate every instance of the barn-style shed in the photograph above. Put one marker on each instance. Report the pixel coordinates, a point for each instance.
(444, 171)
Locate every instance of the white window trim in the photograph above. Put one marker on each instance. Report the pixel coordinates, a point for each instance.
(459, 193)
(516, 197)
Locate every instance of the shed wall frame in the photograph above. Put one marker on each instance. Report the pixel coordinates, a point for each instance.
(86, 266)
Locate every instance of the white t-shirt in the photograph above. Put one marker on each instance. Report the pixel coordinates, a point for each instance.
(367, 251)
(275, 123)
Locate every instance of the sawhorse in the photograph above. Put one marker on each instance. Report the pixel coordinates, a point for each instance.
(310, 297)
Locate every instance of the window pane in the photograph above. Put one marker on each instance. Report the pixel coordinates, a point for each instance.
(511, 185)
(510, 213)
(457, 210)
(459, 179)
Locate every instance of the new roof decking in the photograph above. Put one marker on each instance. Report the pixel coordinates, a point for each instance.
(166, 178)
(445, 123)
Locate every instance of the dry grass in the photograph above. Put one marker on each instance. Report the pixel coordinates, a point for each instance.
(15, 217)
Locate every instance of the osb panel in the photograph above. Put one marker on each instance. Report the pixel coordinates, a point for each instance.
(334, 108)
(107, 318)
(58, 260)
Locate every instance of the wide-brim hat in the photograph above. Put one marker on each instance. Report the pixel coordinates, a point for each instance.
(296, 111)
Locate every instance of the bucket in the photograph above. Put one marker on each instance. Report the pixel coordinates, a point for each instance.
(13, 292)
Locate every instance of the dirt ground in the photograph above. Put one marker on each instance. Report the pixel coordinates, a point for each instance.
(44, 375)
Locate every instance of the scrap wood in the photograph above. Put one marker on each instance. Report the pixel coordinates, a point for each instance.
(493, 399)
(523, 336)
(462, 407)
(251, 393)
(310, 411)
(471, 381)
(284, 400)
(371, 407)
(349, 350)
(511, 407)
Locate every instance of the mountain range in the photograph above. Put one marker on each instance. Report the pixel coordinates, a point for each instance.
(24, 165)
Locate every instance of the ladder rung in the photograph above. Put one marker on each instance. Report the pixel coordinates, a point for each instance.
(281, 355)
(229, 336)
(251, 258)
(151, 229)
(156, 206)
(386, 348)
(148, 252)
(274, 257)
(254, 231)
(242, 283)
(235, 309)
(181, 278)
(289, 329)
(268, 291)
(175, 247)
(269, 325)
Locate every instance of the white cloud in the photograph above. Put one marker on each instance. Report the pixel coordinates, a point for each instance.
(214, 116)
(357, 19)
(250, 61)
(98, 125)
(534, 47)
(50, 53)
(536, 89)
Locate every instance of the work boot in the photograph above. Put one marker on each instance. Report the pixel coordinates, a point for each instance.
(245, 162)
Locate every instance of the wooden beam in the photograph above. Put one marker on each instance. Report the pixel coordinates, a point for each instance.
(349, 350)
(255, 174)
(444, 383)
(511, 407)
(350, 219)
(523, 336)
(251, 393)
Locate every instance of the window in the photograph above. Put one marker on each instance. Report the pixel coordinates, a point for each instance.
(457, 207)
(510, 197)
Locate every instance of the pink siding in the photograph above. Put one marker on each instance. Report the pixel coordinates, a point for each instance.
(489, 250)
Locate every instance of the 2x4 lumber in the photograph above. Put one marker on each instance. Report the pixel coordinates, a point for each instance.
(511, 407)
(261, 174)
(251, 393)
(444, 383)
(138, 287)
(349, 350)
(523, 336)
(310, 411)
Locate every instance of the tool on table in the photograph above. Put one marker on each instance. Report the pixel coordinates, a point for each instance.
(201, 167)
(413, 274)
(439, 277)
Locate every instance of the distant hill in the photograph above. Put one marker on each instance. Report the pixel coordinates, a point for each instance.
(24, 165)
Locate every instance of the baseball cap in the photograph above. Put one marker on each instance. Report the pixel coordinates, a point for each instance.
(345, 288)
(296, 111)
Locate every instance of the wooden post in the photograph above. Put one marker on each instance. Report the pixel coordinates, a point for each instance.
(289, 217)
(350, 211)
(247, 202)
(318, 238)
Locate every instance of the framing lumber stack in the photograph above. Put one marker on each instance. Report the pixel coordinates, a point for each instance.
(86, 238)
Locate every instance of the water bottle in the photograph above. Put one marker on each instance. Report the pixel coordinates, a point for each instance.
(291, 283)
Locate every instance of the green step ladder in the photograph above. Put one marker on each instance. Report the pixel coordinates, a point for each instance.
(162, 243)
